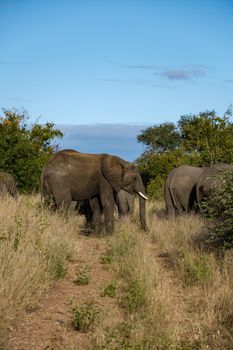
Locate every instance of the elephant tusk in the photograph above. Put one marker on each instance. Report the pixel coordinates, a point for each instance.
(142, 195)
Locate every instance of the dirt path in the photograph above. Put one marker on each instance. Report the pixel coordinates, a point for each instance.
(49, 326)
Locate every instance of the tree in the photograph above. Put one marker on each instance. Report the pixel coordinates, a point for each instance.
(160, 138)
(24, 149)
(155, 168)
(201, 139)
(209, 135)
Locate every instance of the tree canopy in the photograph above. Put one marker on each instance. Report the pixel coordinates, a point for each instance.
(197, 139)
(161, 138)
(209, 135)
(25, 148)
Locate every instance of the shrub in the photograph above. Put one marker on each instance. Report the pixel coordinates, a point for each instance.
(24, 148)
(133, 295)
(109, 290)
(219, 209)
(82, 276)
(85, 316)
(58, 267)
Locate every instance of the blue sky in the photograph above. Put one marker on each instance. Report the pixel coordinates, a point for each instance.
(115, 62)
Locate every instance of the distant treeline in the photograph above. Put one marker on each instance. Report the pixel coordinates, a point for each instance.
(201, 139)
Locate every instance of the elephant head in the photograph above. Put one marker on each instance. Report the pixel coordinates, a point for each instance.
(125, 175)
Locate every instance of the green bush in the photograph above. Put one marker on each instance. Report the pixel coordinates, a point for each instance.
(85, 316)
(155, 168)
(219, 208)
(201, 139)
(25, 148)
(155, 188)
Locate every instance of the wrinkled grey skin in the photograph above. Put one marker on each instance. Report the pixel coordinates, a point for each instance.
(73, 176)
(180, 189)
(209, 182)
(8, 184)
(125, 202)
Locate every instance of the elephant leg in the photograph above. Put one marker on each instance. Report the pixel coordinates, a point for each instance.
(87, 211)
(108, 203)
(83, 207)
(169, 202)
(96, 214)
(122, 207)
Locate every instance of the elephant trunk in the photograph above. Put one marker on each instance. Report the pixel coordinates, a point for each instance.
(139, 188)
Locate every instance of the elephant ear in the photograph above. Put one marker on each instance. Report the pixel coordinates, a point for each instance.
(113, 169)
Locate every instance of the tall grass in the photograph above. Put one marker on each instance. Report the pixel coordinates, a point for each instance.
(170, 292)
(34, 247)
(173, 293)
(204, 281)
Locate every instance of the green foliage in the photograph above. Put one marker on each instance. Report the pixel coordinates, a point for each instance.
(195, 270)
(109, 290)
(82, 276)
(201, 139)
(123, 336)
(160, 138)
(209, 135)
(155, 167)
(117, 249)
(106, 259)
(133, 295)
(85, 316)
(58, 267)
(24, 149)
(155, 187)
(219, 208)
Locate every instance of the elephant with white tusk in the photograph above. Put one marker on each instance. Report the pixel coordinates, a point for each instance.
(73, 176)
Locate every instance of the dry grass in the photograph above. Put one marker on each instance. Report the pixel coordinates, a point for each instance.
(34, 248)
(203, 279)
(170, 292)
(173, 293)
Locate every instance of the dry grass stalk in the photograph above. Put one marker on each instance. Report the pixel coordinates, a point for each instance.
(34, 246)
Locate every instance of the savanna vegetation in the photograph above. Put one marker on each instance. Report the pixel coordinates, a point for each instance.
(25, 147)
(168, 288)
(199, 140)
(161, 290)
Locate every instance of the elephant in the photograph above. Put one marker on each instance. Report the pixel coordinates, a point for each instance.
(125, 202)
(8, 184)
(180, 189)
(73, 176)
(209, 182)
(92, 210)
